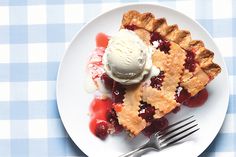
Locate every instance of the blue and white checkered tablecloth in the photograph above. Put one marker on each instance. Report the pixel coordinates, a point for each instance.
(33, 37)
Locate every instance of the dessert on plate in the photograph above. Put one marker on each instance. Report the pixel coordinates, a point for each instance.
(144, 72)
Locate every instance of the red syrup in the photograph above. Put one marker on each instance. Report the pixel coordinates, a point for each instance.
(99, 109)
(102, 40)
(176, 109)
(185, 98)
(197, 100)
(156, 125)
(182, 96)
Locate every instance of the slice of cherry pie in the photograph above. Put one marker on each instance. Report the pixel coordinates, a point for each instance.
(186, 67)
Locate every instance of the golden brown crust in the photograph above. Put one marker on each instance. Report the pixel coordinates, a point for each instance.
(204, 58)
(159, 100)
(197, 82)
(159, 59)
(133, 14)
(173, 70)
(144, 35)
(128, 116)
(172, 63)
(173, 33)
(162, 100)
(130, 121)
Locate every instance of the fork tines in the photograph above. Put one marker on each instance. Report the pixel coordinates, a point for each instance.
(177, 131)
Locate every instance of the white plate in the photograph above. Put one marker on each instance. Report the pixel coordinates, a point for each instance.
(73, 101)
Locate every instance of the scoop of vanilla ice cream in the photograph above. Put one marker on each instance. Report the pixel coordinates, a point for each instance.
(127, 58)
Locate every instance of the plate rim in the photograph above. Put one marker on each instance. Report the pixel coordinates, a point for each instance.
(155, 4)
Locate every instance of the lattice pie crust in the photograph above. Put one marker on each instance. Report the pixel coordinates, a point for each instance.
(171, 63)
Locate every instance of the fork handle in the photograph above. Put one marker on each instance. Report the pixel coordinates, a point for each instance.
(136, 151)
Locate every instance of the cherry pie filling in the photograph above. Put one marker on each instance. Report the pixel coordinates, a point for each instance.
(156, 81)
(146, 111)
(103, 111)
(164, 45)
(190, 62)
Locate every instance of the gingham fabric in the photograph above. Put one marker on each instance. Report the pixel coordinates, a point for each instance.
(33, 37)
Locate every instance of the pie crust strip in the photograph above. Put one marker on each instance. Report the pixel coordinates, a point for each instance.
(128, 116)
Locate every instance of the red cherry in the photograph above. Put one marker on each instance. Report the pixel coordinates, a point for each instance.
(101, 130)
(102, 40)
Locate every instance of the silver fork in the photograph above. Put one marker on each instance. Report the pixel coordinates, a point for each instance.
(167, 137)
